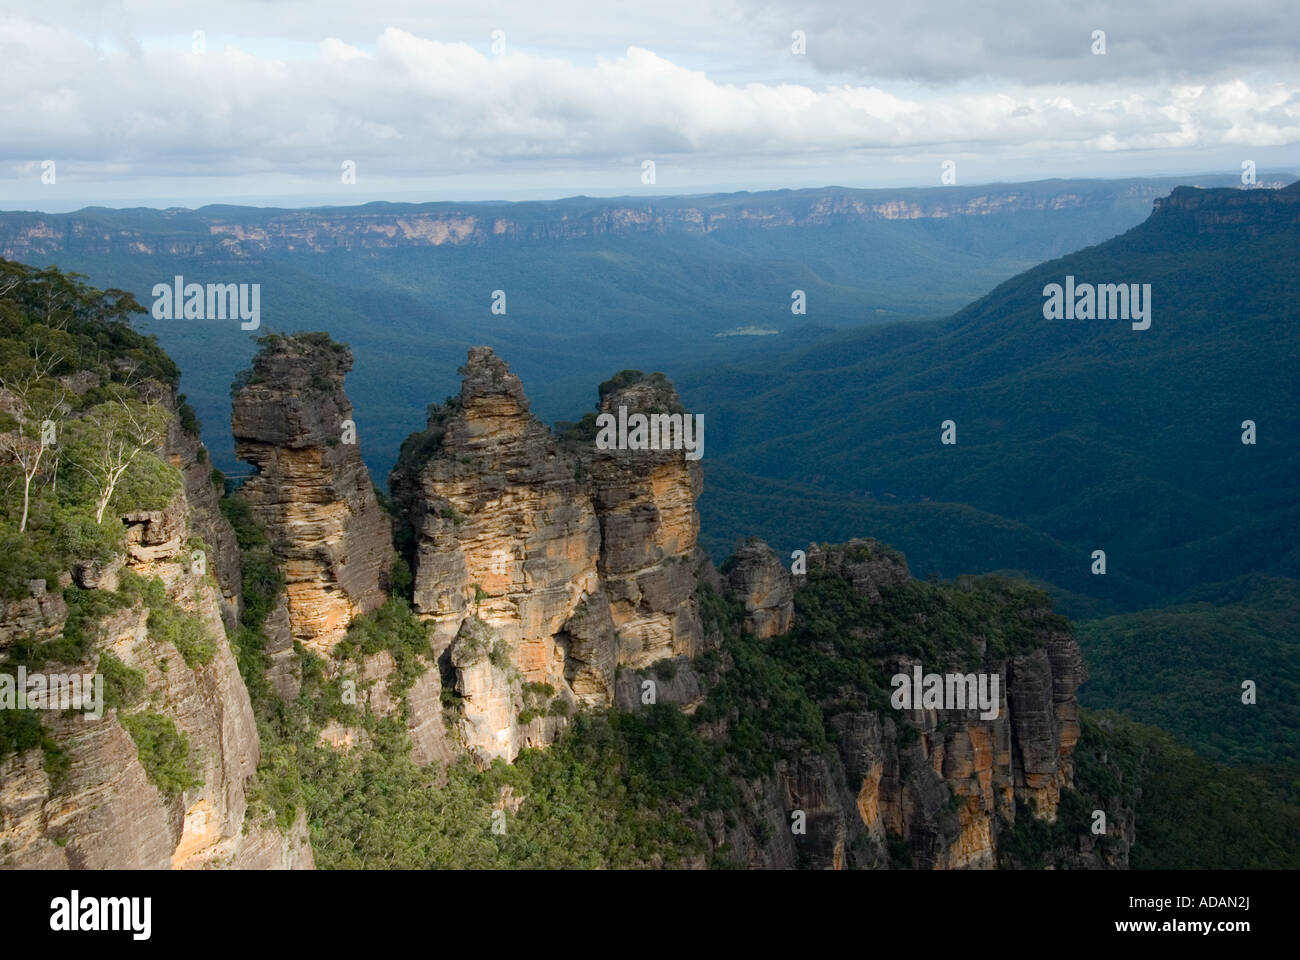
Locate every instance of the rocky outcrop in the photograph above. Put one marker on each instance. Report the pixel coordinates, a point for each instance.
(668, 681)
(939, 785)
(282, 669)
(312, 492)
(327, 534)
(575, 560)
(866, 564)
(506, 534)
(649, 529)
(39, 616)
(431, 742)
(756, 575)
(381, 692)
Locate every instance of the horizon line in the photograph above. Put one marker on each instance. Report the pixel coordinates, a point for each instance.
(703, 193)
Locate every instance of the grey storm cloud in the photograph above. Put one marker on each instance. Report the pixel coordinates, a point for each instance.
(1040, 42)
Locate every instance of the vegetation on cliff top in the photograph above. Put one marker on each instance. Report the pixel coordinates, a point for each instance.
(83, 404)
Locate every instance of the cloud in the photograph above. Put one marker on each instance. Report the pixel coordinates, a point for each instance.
(405, 105)
(1038, 42)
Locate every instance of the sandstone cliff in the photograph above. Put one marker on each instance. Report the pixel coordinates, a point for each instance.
(928, 788)
(241, 234)
(101, 804)
(649, 524)
(755, 574)
(311, 491)
(574, 560)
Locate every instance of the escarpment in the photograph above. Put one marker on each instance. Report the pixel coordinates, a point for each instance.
(160, 779)
(311, 491)
(920, 785)
(506, 545)
(567, 560)
(556, 569)
(185, 452)
(331, 542)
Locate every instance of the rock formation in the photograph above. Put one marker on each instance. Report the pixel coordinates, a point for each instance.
(311, 491)
(756, 575)
(945, 781)
(576, 560)
(649, 528)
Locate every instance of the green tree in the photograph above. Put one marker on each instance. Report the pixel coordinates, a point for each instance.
(109, 438)
(36, 398)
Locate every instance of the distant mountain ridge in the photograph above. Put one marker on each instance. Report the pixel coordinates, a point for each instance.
(1087, 432)
(242, 232)
(651, 283)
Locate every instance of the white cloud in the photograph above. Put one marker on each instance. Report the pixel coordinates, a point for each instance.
(406, 105)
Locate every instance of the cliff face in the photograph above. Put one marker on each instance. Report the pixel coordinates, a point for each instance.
(572, 560)
(293, 423)
(757, 577)
(1212, 211)
(947, 782)
(186, 453)
(649, 529)
(246, 234)
(103, 810)
(506, 546)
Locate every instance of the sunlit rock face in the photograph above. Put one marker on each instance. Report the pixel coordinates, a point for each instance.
(755, 574)
(650, 526)
(312, 492)
(576, 559)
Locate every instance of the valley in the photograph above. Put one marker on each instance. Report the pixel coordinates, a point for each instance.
(601, 649)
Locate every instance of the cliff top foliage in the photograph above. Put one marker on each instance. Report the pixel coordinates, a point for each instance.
(327, 359)
(89, 329)
(658, 390)
(84, 403)
(419, 448)
(302, 343)
(776, 691)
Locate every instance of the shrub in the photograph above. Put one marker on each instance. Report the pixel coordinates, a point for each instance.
(499, 655)
(184, 631)
(189, 420)
(20, 563)
(78, 536)
(164, 751)
(123, 685)
(148, 484)
(393, 627)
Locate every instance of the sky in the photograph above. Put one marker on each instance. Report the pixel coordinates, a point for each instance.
(293, 103)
